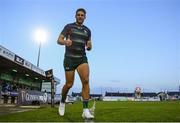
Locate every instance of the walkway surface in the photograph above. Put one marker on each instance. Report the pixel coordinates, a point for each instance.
(11, 108)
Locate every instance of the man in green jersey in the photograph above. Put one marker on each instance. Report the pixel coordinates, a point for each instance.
(77, 39)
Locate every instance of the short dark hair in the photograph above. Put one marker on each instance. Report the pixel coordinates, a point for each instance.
(81, 9)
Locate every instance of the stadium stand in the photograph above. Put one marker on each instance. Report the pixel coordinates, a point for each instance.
(18, 75)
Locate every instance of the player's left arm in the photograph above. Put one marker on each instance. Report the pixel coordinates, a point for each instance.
(89, 45)
(89, 42)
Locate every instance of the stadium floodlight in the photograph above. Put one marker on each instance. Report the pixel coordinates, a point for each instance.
(40, 37)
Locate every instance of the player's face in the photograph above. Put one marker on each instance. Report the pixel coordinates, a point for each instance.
(80, 17)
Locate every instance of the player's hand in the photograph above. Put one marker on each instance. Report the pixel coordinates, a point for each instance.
(89, 46)
(68, 42)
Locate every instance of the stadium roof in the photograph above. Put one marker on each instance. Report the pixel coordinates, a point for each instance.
(12, 63)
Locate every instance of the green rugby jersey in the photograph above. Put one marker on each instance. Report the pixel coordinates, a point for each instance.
(79, 36)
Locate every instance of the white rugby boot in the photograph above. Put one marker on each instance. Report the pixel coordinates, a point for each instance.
(61, 108)
(86, 114)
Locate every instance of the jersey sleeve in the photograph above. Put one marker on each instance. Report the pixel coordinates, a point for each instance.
(65, 31)
(89, 34)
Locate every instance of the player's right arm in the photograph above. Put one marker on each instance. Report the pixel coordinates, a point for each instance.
(64, 37)
(61, 40)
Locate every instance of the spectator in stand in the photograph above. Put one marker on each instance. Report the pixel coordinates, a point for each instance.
(0, 90)
(13, 95)
(5, 91)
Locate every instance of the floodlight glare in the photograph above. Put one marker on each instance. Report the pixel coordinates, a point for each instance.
(40, 35)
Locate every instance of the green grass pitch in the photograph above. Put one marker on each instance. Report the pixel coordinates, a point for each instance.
(104, 112)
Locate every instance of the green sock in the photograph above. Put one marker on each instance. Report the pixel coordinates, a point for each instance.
(85, 103)
(63, 99)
